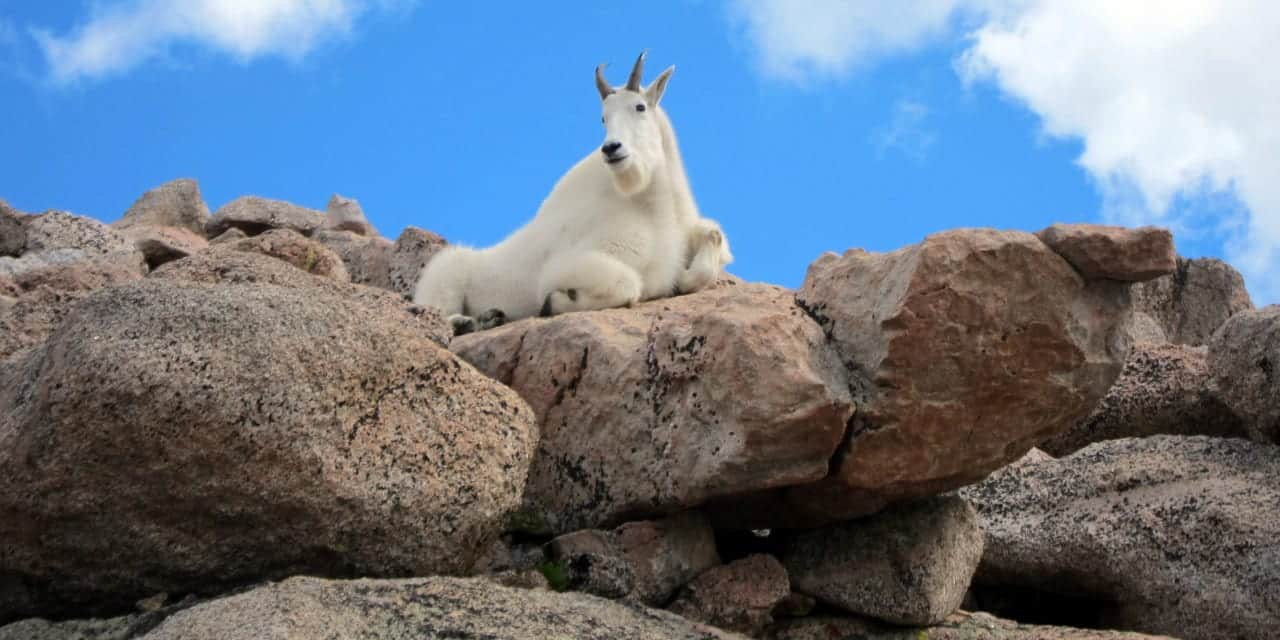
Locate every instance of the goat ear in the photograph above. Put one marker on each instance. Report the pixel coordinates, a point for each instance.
(654, 93)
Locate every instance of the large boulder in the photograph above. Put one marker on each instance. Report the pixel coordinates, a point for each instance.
(180, 437)
(963, 352)
(1244, 357)
(254, 215)
(959, 626)
(367, 258)
(412, 250)
(1190, 304)
(54, 230)
(1164, 388)
(1113, 253)
(13, 232)
(345, 214)
(161, 244)
(291, 247)
(669, 404)
(739, 596)
(437, 607)
(907, 565)
(175, 204)
(1166, 534)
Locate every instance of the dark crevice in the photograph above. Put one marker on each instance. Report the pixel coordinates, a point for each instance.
(1027, 605)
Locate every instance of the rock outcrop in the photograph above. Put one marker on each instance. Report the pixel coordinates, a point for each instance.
(254, 215)
(1113, 253)
(1244, 356)
(1192, 302)
(176, 204)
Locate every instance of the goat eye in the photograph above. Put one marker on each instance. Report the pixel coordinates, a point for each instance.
(639, 107)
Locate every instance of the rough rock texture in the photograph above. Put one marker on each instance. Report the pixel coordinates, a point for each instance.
(13, 233)
(1194, 301)
(179, 437)
(438, 607)
(1164, 388)
(228, 236)
(254, 215)
(959, 626)
(164, 244)
(303, 253)
(172, 204)
(38, 298)
(647, 560)
(1114, 253)
(410, 254)
(907, 565)
(1244, 359)
(739, 596)
(1166, 534)
(345, 214)
(61, 230)
(367, 259)
(963, 351)
(661, 407)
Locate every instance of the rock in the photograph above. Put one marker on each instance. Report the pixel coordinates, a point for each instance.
(39, 297)
(795, 605)
(254, 215)
(228, 236)
(958, 626)
(963, 351)
(1114, 253)
(592, 563)
(61, 230)
(647, 560)
(224, 265)
(1162, 389)
(163, 244)
(520, 579)
(1166, 534)
(908, 565)
(667, 405)
(184, 438)
(436, 607)
(303, 253)
(13, 233)
(666, 554)
(1244, 356)
(1193, 302)
(345, 214)
(175, 204)
(738, 596)
(410, 254)
(367, 259)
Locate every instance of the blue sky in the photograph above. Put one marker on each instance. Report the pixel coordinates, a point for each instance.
(806, 126)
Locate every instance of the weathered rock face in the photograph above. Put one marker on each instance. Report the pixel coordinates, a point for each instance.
(367, 259)
(163, 244)
(959, 626)
(13, 233)
(254, 215)
(1113, 253)
(664, 406)
(291, 247)
(173, 204)
(592, 563)
(53, 230)
(1164, 534)
(230, 235)
(437, 607)
(410, 254)
(907, 565)
(1194, 301)
(345, 214)
(739, 596)
(1244, 357)
(1164, 388)
(963, 351)
(178, 437)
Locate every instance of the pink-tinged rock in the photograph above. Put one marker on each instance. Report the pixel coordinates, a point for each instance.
(255, 215)
(961, 625)
(667, 405)
(13, 233)
(173, 204)
(160, 244)
(1244, 358)
(367, 259)
(291, 247)
(739, 596)
(410, 254)
(345, 214)
(1194, 301)
(1114, 253)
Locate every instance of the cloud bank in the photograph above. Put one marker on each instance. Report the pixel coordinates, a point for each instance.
(1173, 105)
(120, 36)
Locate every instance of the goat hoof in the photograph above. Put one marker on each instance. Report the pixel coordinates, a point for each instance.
(462, 325)
(492, 318)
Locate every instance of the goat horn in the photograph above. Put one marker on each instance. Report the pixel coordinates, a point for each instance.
(633, 83)
(602, 85)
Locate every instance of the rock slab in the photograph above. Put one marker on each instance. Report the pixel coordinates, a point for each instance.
(1113, 253)
(1244, 357)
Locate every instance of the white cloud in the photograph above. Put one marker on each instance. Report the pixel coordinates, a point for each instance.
(119, 36)
(1173, 104)
(907, 131)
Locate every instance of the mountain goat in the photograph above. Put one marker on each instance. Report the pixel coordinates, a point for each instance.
(620, 227)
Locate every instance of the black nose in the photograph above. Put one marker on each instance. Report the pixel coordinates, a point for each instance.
(610, 148)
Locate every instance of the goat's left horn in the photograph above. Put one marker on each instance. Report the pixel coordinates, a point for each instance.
(633, 82)
(602, 85)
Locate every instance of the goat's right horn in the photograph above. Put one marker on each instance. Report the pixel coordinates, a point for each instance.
(633, 82)
(602, 85)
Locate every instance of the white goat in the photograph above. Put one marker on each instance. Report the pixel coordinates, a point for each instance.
(620, 227)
